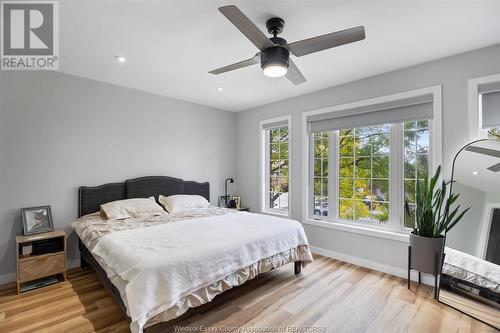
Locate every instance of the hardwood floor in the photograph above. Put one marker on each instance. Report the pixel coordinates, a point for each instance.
(490, 314)
(329, 296)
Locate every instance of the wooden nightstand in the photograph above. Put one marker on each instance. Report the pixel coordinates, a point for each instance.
(45, 265)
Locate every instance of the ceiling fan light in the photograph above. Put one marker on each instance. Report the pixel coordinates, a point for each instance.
(274, 61)
(275, 69)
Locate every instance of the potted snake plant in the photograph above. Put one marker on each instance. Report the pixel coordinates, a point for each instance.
(433, 217)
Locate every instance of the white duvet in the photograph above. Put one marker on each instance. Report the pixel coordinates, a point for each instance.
(163, 264)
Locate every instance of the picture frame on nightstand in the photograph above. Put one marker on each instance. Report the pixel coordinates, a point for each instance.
(36, 220)
(237, 201)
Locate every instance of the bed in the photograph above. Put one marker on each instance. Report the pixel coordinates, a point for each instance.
(180, 260)
(471, 276)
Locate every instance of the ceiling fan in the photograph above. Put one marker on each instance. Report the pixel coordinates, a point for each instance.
(274, 55)
(488, 152)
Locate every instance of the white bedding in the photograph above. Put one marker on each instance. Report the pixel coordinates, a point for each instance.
(169, 267)
(465, 267)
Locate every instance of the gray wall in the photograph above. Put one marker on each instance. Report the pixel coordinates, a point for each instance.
(465, 235)
(492, 197)
(58, 132)
(452, 73)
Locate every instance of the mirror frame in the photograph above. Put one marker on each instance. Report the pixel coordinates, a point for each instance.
(452, 181)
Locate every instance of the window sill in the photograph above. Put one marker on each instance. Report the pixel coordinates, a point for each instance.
(276, 213)
(392, 235)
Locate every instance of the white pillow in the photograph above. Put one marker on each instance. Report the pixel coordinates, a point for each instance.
(180, 202)
(140, 207)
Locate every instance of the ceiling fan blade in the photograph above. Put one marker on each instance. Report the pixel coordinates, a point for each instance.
(494, 168)
(245, 63)
(324, 42)
(293, 74)
(247, 27)
(489, 152)
(484, 151)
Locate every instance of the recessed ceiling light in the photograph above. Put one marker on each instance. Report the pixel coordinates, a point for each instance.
(219, 88)
(475, 173)
(120, 59)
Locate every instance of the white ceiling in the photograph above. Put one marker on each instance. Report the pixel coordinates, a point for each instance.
(171, 45)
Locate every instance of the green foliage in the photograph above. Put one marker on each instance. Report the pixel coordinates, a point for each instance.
(279, 164)
(363, 173)
(364, 165)
(433, 210)
(357, 209)
(383, 217)
(416, 162)
(353, 209)
(494, 134)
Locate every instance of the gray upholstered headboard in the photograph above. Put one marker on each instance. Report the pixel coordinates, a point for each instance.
(90, 198)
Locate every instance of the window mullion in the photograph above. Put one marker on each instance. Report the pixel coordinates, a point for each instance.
(311, 175)
(267, 154)
(332, 175)
(431, 163)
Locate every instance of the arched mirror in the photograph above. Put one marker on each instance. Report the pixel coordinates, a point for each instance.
(470, 280)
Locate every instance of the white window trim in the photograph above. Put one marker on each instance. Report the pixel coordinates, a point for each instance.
(400, 233)
(263, 167)
(476, 130)
(360, 228)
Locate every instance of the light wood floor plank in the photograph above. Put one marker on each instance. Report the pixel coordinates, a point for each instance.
(329, 293)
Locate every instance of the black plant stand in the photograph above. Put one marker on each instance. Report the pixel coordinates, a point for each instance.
(436, 273)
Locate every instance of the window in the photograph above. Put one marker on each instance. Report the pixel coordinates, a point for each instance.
(278, 179)
(484, 107)
(489, 106)
(416, 161)
(276, 167)
(321, 143)
(361, 171)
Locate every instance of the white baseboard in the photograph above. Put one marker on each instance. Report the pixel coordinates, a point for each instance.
(7, 278)
(396, 271)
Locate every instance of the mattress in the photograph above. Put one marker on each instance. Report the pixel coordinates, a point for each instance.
(162, 266)
(472, 269)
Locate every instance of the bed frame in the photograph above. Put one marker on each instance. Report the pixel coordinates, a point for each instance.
(90, 198)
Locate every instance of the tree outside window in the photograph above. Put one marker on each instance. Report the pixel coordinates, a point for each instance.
(494, 133)
(416, 161)
(320, 197)
(279, 168)
(363, 166)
